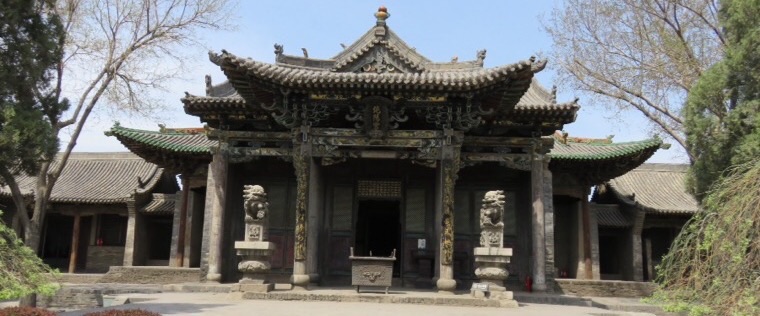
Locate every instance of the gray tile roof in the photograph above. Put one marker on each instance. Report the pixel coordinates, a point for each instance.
(317, 79)
(98, 178)
(160, 204)
(609, 215)
(656, 188)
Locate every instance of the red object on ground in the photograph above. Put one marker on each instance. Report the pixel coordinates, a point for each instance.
(529, 284)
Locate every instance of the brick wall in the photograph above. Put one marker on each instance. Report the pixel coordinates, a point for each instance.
(603, 288)
(151, 275)
(100, 258)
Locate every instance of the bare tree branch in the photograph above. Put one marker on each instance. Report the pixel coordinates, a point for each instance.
(636, 54)
(113, 49)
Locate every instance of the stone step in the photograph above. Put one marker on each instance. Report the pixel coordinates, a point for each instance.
(552, 299)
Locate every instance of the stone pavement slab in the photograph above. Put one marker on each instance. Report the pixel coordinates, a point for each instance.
(234, 304)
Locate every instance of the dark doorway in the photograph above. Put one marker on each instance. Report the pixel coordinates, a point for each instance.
(378, 228)
(160, 238)
(56, 244)
(610, 248)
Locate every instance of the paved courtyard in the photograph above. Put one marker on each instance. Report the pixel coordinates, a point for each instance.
(233, 304)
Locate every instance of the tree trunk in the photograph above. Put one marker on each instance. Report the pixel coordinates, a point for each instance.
(33, 231)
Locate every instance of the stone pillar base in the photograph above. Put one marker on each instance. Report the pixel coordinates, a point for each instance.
(446, 286)
(214, 277)
(505, 298)
(300, 282)
(256, 287)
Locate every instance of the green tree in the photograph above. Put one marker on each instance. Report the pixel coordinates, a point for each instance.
(30, 51)
(21, 271)
(713, 266)
(722, 112)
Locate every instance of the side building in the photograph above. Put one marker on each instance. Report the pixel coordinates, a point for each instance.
(640, 214)
(106, 209)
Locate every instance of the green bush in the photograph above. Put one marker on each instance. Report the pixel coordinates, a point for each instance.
(25, 311)
(123, 312)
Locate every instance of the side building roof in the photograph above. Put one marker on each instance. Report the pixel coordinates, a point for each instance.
(175, 149)
(595, 160)
(592, 160)
(654, 188)
(98, 178)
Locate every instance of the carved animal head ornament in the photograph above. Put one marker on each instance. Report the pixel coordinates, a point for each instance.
(255, 202)
(492, 211)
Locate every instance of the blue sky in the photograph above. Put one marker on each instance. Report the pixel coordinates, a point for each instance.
(510, 30)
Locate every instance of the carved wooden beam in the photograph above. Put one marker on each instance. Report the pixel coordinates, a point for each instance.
(264, 136)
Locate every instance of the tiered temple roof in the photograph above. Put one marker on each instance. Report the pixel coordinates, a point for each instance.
(494, 101)
(423, 95)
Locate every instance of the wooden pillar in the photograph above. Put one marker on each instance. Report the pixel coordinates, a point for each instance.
(313, 221)
(448, 173)
(548, 203)
(131, 244)
(215, 201)
(448, 170)
(637, 264)
(588, 273)
(302, 166)
(74, 244)
(537, 222)
(180, 255)
(648, 254)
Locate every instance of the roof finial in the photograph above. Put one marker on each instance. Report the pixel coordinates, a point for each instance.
(381, 15)
(209, 85)
(554, 94)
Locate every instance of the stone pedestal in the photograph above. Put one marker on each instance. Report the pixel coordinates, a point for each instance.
(254, 264)
(491, 271)
(255, 252)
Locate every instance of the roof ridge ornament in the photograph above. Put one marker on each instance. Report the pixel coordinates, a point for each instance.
(380, 28)
(382, 15)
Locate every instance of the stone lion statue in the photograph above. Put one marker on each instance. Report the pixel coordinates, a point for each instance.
(255, 203)
(492, 211)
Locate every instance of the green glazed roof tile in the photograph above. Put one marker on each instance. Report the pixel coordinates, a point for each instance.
(186, 141)
(593, 149)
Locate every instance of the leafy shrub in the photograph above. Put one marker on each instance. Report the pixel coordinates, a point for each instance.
(25, 311)
(123, 312)
(22, 272)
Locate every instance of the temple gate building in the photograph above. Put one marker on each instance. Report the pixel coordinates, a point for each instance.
(379, 148)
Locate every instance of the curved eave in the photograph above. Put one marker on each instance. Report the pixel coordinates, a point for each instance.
(199, 105)
(605, 164)
(262, 81)
(563, 113)
(170, 150)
